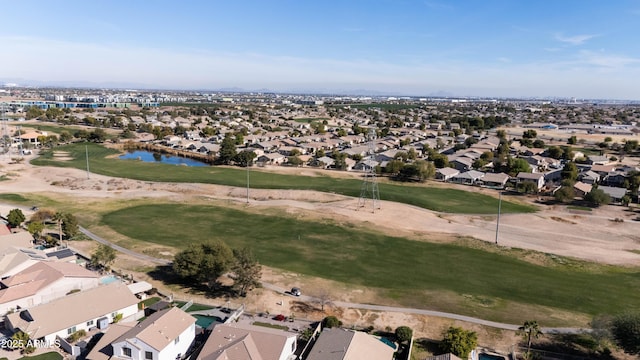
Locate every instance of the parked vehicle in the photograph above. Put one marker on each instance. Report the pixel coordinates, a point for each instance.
(296, 291)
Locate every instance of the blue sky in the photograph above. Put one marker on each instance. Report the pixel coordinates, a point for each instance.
(583, 49)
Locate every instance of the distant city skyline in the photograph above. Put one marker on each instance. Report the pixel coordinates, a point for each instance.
(581, 49)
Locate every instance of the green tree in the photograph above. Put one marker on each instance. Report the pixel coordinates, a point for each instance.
(565, 194)
(527, 187)
(34, 112)
(597, 197)
(529, 134)
(246, 271)
(331, 322)
(625, 329)
(517, 166)
(15, 217)
(204, 262)
(98, 135)
(459, 342)
(103, 257)
(70, 225)
(538, 144)
(572, 140)
(530, 330)
(22, 338)
(227, 150)
(65, 136)
(245, 158)
(569, 171)
(555, 152)
(404, 334)
(420, 170)
(393, 167)
(295, 161)
(440, 161)
(35, 228)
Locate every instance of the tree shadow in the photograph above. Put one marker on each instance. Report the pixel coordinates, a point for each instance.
(216, 290)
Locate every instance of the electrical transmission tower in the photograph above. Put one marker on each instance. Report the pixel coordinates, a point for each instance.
(369, 191)
(5, 142)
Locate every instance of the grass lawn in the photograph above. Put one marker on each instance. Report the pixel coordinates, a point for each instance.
(14, 198)
(438, 199)
(46, 356)
(148, 302)
(273, 326)
(56, 129)
(581, 208)
(404, 269)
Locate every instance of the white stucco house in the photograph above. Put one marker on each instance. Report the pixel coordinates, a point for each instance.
(79, 311)
(164, 335)
(43, 282)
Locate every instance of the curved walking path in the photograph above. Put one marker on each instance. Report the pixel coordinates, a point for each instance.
(123, 250)
(338, 303)
(344, 304)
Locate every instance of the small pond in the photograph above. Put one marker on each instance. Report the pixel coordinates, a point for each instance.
(149, 156)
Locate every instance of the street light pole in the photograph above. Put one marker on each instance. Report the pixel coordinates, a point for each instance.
(247, 183)
(498, 222)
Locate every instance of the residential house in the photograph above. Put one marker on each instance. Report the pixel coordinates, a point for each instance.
(614, 178)
(248, 342)
(163, 335)
(462, 163)
(272, 159)
(589, 177)
(598, 160)
(21, 239)
(79, 311)
(14, 259)
(615, 193)
(602, 170)
(446, 174)
(366, 165)
(494, 180)
(358, 150)
(43, 282)
(536, 178)
(342, 344)
(324, 162)
(468, 177)
(581, 189)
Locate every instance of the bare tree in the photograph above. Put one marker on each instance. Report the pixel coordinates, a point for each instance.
(323, 297)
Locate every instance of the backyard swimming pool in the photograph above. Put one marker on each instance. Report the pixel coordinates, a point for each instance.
(205, 321)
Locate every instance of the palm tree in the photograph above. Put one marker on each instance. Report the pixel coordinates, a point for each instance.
(530, 330)
(58, 217)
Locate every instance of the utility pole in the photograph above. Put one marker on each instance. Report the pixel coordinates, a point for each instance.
(499, 208)
(86, 151)
(247, 183)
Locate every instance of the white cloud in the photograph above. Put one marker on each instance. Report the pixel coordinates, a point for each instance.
(574, 40)
(607, 60)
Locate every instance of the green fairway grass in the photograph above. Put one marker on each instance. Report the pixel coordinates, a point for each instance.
(403, 267)
(438, 199)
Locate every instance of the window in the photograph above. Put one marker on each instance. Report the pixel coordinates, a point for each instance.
(90, 323)
(177, 340)
(71, 330)
(148, 355)
(126, 351)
